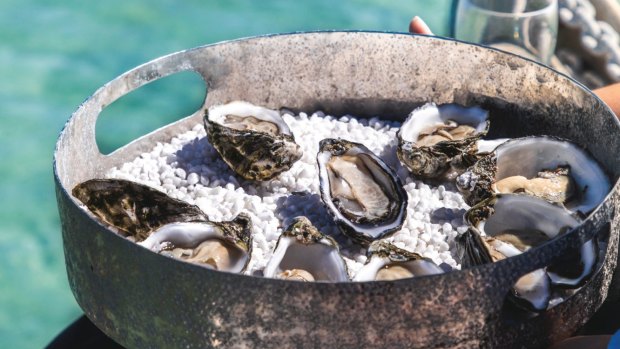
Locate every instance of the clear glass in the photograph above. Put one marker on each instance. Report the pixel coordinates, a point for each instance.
(525, 27)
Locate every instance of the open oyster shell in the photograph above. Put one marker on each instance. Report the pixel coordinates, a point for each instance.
(387, 262)
(554, 169)
(303, 253)
(255, 142)
(432, 137)
(224, 246)
(507, 225)
(362, 193)
(135, 210)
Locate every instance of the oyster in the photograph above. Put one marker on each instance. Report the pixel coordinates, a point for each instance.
(135, 210)
(255, 142)
(363, 195)
(432, 137)
(224, 246)
(554, 169)
(387, 262)
(303, 253)
(507, 225)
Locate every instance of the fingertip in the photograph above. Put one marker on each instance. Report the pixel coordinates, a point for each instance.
(418, 26)
(412, 24)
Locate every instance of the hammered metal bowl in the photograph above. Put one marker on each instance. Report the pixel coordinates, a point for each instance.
(142, 299)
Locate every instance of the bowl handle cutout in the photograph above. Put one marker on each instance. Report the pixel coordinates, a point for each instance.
(78, 157)
(148, 108)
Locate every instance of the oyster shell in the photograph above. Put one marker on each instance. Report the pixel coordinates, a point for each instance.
(387, 262)
(532, 291)
(363, 194)
(135, 210)
(255, 142)
(551, 168)
(461, 163)
(507, 225)
(224, 246)
(432, 137)
(303, 253)
(573, 270)
(485, 146)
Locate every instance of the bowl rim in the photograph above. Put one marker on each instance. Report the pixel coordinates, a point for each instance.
(570, 236)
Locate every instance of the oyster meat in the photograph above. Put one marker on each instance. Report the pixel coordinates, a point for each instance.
(554, 169)
(303, 253)
(507, 225)
(387, 262)
(363, 194)
(255, 142)
(135, 210)
(224, 246)
(433, 137)
(551, 185)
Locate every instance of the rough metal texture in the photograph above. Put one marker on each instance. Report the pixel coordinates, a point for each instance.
(142, 299)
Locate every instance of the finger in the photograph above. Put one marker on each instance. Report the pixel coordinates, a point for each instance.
(418, 26)
(610, 95)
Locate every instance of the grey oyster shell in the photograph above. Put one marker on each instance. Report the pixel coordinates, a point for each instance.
(254, 141)
(507, 225)
(435, 139)
(387, 262)
(223, 246)
(552, 168)
(303, 253)
(135, 210)
(364, 195)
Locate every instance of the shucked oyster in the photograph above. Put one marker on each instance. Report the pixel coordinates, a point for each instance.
(303, 253)
(134, 209)
(224, 246)
(432, 137)
(254, 141)
(166, 225)
(510, 224)
(360, 191)
(388, 262)
(554, 169)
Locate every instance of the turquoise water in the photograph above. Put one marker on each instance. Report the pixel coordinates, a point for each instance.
(53, 54)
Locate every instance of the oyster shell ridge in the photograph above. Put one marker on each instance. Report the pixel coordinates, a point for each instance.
(238, 231)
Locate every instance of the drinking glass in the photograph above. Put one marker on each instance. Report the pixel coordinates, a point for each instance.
(525, 27)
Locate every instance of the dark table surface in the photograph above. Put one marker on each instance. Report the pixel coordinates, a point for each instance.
(83, 334)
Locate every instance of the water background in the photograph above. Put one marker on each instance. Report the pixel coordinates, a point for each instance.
(54, 54)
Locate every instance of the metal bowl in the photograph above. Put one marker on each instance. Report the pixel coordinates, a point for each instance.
(142, 299)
